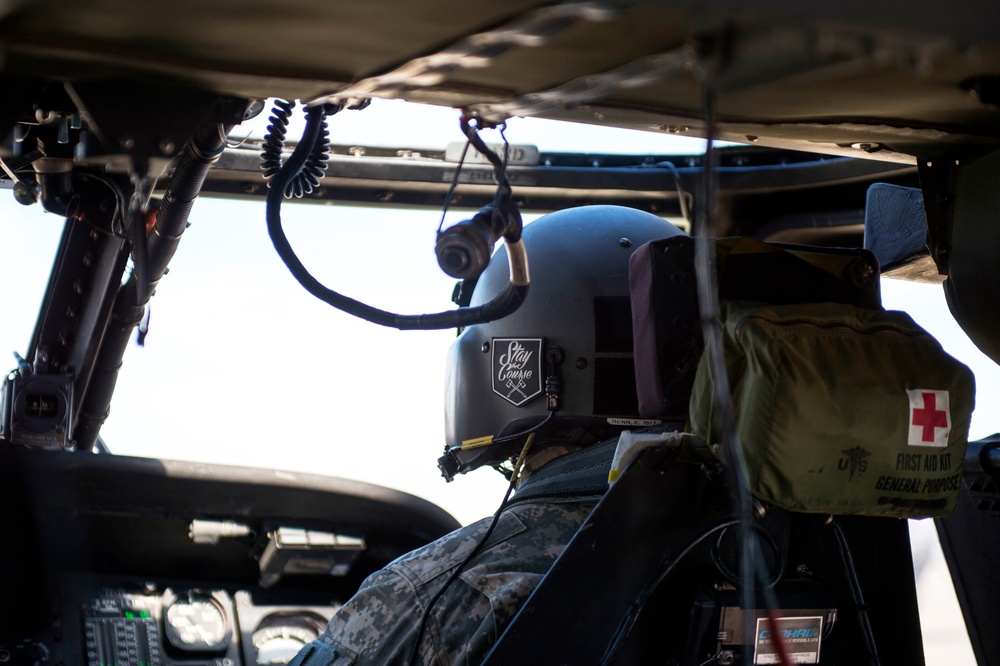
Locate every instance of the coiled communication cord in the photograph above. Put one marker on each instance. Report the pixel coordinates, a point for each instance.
(506, 302)
(312, 171)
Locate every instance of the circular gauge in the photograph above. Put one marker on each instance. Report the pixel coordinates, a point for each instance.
(196, 622)
(279, 637)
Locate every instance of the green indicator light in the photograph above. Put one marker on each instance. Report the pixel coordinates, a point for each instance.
(129, 615)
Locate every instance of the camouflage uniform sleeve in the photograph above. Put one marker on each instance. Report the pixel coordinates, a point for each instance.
(319, 653)
(379, 624)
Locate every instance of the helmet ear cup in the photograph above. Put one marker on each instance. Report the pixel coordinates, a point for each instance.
(578, 303)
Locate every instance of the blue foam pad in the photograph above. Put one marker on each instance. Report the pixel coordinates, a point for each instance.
(895, 224)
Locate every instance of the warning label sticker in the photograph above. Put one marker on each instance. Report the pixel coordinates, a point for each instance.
(801, 637)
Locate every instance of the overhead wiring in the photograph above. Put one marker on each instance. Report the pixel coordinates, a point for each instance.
(118, 225)
(454, 184)
(751, 568)
(708, 302)
(503, 199)
(682, 195)
(504, 303)
(191, 168)
(308, 176)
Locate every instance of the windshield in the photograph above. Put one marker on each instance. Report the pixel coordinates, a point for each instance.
(241, 366)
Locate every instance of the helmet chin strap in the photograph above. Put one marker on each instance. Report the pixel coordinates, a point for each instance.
(490, 450)
(494, 450)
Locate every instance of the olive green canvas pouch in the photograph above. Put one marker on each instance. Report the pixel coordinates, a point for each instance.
(841, 410)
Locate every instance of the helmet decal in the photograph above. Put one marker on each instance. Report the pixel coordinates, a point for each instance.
(517, 369)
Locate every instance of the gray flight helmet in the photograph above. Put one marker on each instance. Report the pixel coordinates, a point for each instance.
(573, 328)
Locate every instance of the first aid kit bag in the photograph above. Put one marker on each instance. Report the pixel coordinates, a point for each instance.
(841, 409)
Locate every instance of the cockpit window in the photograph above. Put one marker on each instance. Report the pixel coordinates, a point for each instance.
(407, 125)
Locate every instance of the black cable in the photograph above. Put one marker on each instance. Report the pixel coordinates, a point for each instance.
(506, 439)
(528, 432)
(767, 579)
(309, 176)
(472, 134)
(856, 592)
(200, 152)
(142, 186)
(120, 205)
(751, 567)
(415, 648)
(503, 198)
(708, 300)
(632, 615)
(506, 302)
(679, 186)
(453, 186)
(492, 453)
(274, 138)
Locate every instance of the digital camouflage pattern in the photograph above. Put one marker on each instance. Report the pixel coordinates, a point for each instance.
(380, 623)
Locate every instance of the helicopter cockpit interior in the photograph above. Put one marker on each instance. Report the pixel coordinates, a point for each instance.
(866, 127)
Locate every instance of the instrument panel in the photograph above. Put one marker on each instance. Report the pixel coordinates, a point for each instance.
(194, 627)
(135, 562)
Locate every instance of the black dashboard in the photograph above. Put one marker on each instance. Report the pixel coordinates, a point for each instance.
(154, 626)
(118, 561)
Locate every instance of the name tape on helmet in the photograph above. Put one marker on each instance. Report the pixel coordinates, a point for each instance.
(635, 423)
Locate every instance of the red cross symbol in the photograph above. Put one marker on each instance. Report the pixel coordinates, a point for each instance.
(930, 417)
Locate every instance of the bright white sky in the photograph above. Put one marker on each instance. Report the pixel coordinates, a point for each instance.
(242, 366)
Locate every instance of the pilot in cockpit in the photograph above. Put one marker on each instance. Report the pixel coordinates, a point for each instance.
(521, 396)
